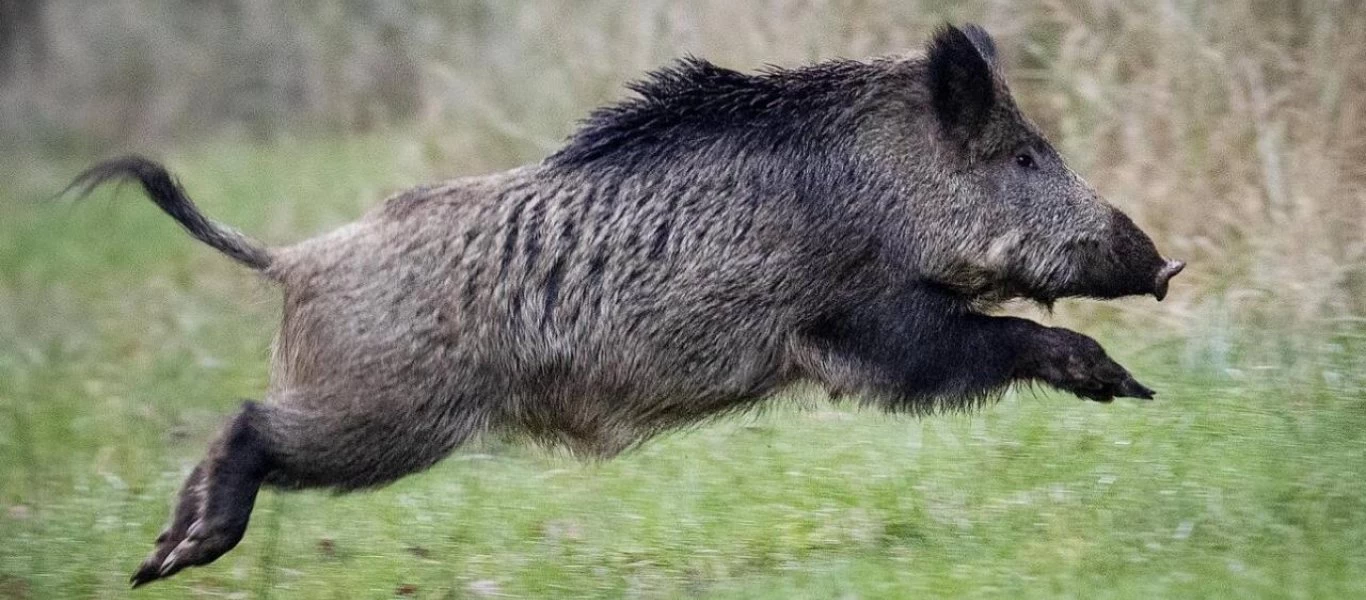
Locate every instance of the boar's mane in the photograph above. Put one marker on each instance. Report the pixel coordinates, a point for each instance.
(695, 105)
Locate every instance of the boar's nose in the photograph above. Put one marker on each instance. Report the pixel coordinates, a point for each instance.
(1164, 275)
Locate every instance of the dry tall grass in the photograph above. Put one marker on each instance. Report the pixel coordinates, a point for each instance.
(1235, 130)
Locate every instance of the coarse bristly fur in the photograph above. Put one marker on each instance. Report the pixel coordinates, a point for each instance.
(690, 252)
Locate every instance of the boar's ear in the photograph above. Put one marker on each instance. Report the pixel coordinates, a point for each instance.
(962, 85)
(982, 40)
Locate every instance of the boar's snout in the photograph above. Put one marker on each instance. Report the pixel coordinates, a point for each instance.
(1126, 263)
(1164, 275)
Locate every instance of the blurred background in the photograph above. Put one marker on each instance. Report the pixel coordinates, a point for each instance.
(1234, 131)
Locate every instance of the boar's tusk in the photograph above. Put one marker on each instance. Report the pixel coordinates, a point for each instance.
(1164, 275)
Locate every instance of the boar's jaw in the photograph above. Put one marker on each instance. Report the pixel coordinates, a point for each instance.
(988, 287)
(1126, 263)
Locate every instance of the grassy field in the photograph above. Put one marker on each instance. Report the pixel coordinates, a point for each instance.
(125, 344)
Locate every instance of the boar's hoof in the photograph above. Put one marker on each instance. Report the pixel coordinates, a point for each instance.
(203, 544)
(1103, 388)
(1130, 388)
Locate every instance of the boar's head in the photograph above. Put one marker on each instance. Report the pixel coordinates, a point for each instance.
(987, 206)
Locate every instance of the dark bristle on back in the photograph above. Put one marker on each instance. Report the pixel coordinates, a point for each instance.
(694, 99)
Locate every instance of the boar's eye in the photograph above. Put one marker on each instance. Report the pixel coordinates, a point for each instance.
(1026, 161)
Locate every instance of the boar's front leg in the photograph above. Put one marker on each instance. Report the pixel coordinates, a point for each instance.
(971, 353)
(922, 348)
(1070, 361)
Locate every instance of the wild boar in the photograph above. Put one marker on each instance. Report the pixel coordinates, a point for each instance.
(690, 252)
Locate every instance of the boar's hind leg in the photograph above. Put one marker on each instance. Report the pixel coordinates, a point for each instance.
(301, 440)
(215, 501)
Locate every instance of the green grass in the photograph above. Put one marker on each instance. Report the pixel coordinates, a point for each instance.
(123, 345)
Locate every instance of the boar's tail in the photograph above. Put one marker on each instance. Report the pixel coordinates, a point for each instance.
(167, 194)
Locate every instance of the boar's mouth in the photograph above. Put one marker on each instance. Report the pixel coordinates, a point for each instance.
(1125, 262)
